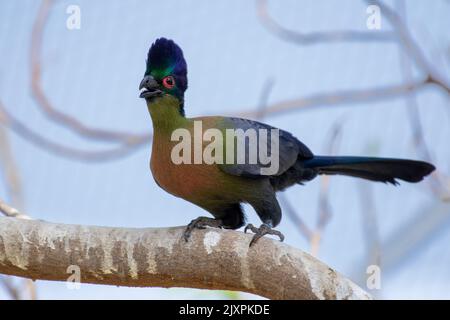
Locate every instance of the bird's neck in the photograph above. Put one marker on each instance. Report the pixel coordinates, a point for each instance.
(166, 115)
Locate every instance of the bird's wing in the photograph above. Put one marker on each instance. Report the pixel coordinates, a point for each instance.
(290, 149)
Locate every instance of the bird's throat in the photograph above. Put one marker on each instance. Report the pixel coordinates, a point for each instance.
(165, 114)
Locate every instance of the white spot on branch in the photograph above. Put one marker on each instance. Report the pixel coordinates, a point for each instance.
(211, 240)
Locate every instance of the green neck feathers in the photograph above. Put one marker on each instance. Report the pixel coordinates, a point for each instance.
(165, 114)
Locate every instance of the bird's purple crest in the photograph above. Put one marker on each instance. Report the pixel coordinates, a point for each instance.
(166, 57)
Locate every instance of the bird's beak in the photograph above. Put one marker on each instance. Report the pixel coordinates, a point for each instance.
(149, 88)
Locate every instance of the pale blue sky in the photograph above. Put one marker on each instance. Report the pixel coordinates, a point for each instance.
(93, 74)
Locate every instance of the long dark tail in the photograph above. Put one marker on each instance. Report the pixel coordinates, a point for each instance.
(375, 169)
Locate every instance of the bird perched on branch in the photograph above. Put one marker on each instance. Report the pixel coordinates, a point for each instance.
(221, 187)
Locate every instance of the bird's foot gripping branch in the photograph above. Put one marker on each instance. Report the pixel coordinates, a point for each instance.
(262, 231)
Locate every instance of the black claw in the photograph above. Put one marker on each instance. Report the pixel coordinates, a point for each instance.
(261, 231)
(249, 226)
(200, 223)
(254, 239)
(187, 233)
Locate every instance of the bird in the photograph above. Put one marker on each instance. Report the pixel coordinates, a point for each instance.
(222, 188)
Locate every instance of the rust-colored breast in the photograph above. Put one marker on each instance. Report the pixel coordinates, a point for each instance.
(188, 181)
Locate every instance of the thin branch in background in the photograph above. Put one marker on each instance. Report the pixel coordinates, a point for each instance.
(405, 42)
(435, 183)
(11, 212)
(370, 224)
(12, 179)
(371, 233)
(30, 287)
(311, 38)
(325, 213)
(10, 288)
(284, 202)
(61, 150)
(405, 240)
(292, 214)
(14, 188)
(341, 97)
(314, 236)
(264, 98)
(134, 141)
(401, 36)
(18, 289)
(430, 220)
(13, 184)
(44, 103)
(10, 170)
(410, 46)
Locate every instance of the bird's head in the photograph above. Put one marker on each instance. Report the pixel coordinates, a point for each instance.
(166, 72)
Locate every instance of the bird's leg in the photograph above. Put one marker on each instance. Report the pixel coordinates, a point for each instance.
(201, 223)
(261, 231)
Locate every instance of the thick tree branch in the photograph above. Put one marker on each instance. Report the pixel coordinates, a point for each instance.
(158, 257)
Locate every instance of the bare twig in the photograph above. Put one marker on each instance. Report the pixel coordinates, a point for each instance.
(347, 97)
(134, 141)
(400, 34)
(61, 150)
(30, 287)
(402, 243)
(128, 142)
(264, 98)
(18, 289)
(371, 233)
(311, 38)
(14, 187)
(325, 213)
(11, 212)
(293, 215)
(435, 183)
(289, 209)
(411, 47)
(314, 236)
(10, 287)
(370, 224)
(13, 182)
(44, 103)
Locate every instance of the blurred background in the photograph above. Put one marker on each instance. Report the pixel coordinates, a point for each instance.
(344, 78)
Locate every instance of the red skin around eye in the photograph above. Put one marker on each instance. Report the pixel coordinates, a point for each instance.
(169, 82)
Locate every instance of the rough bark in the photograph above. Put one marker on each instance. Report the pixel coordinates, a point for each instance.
(159, 257)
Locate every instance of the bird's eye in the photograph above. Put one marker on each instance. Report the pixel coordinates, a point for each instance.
(168, 82)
